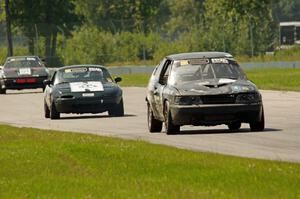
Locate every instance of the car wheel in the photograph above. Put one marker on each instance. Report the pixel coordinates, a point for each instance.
(234, 126)
(53, 112)
(170, 127)
(2, 91)
(258, 125)
(46, 110)
(154, 125)
(117, 110)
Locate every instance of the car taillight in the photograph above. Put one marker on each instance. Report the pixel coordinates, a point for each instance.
(31, 80)
(21, 81)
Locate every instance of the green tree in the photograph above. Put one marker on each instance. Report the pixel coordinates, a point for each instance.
(185, 16)
(239, 26)
(7, 17)
(47, 17)
(286, 10)
(122, 15)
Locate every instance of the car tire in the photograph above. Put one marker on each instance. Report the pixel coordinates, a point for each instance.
(258, 125)
(154, 125)
(117, 110)
(2, 91)
(54, 114)
(46, 110)
(170, 127)
(234, 126)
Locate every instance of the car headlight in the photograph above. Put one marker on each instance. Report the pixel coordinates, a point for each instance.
(241, 88)
(187, 100)
(63, 91)
(248, 98)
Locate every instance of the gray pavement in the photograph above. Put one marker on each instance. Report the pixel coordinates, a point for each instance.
(280, 140)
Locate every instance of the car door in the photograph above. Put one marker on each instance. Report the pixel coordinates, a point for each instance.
(152, 87)
(48, 89)
(159, 88)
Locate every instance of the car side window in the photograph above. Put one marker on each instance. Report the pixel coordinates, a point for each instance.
(159, 68)
(156, 72)
(164, 75)
(54, 80)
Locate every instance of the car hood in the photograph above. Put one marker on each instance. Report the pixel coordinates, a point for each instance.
(24, 72)
(216, 87)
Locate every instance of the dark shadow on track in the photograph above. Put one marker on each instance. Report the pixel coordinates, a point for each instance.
(93, 117)
(224, 131)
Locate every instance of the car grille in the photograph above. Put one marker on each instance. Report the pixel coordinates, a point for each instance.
(218, 99)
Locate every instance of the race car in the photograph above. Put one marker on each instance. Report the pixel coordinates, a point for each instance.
(82, 89)
(24, 72)
(202, 88)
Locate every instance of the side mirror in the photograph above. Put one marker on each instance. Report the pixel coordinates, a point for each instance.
(47, 82)
(118, 79)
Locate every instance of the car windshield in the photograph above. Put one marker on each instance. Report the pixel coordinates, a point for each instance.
(83, 74)
(22, 63)
(205, 70)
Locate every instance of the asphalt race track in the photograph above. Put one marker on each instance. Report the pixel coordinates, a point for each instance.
(280, 140)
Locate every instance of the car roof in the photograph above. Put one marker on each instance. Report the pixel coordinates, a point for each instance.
(29, 56)
(198, 55)
(82, 65)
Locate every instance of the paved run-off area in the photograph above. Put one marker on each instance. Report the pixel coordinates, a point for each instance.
(280, 140)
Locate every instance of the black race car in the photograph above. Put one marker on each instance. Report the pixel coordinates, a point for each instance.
(26, 72)
(205, 88)
(82, 89)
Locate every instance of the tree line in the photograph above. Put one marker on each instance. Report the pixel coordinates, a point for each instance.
(93, 31)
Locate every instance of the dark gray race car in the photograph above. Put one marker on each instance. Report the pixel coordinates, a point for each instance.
(207, 88)
(26, 72)
(82, 89)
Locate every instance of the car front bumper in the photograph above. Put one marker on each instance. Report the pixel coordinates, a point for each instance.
(215, 114)
(86, 104)
(27, 83)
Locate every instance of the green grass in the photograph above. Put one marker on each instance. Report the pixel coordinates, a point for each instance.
(48, 164)
(268, 78)
(139, 80)
(276, 78)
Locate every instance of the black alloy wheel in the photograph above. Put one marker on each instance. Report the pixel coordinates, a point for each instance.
(234, 126)
(169, 126)
(54, 114)
(154, 125)
(258, 125)
(117, 110)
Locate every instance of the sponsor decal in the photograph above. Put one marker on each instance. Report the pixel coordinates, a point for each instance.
(184, 62)
(219, 61)
(86, 86)
(95, 69)
(75, 70)
(31, 58)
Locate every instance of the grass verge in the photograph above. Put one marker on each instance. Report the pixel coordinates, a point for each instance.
(139, 80)
(268, 78)
(276, 78)
(48, 164)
